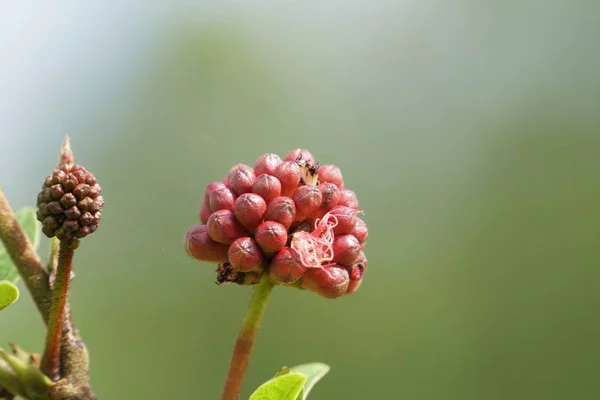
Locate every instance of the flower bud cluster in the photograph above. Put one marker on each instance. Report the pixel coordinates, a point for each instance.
(291, 219)
(70, 205)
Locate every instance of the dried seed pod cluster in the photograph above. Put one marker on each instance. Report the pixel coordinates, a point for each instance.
(288, 218)
(70, 205)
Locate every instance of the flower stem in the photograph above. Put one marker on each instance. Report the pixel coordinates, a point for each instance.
(245, 340)
(51, 360)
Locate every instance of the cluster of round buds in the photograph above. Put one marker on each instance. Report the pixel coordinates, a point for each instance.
(70, 205)
(291, 219)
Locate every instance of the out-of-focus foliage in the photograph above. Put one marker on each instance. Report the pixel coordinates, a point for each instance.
(468, 130)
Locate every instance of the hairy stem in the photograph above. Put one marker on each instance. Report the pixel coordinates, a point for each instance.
(245, 340)
(24, 256)
(51, 359)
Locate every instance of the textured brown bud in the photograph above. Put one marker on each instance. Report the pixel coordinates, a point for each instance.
(70, 205)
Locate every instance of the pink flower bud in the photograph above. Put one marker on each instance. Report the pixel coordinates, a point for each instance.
(332, 174)
(288, 173)
(240, 179)
(356, 273)
(210, 188)
(204, 212)
(346, 219)
(285, 268)
(266, 164)
(249, 209)
(271, 236)
(307, 199)
(267, 186)
(222, 199)
(348, 198)
(331, 195)
(283, 210)
(301, 157)
(353, 286)
(200, 246)
(360, 231)
(346, 250)
(330, 282)
(245, 255)
(223, 227)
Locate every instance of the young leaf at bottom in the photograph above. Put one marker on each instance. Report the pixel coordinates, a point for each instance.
(284, 387)
(313, 372)
(8, 294)
(32, 228)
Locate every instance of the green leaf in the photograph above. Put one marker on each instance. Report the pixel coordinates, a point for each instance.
(8, 294)
(285, 387)
(32, 228)
(313, 373)
(283, 371)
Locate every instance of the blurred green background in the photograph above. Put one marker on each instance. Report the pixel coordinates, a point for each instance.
(469, 130)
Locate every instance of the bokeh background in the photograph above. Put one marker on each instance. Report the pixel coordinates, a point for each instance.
(469, 130)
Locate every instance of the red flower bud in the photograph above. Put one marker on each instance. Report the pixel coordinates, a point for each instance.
(210, 188)
(360, 231)
(200, 246)
(330, 282)
(356, 273)
(288, 173)
(245, 255)
(283, 210)
(332, 174)
(249, 209)
(346, 250)
(266, 164)
(267, 186)
(240, 179)
(204, 213)
(285, 268)
(307, 199)
(348, 198)
(223, 227)
(331, 195)
(222, 199)
(346, 219)
(271, 236)
(300, 156)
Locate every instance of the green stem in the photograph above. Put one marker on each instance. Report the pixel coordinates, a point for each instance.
(51, 360)
(24, 257)
(245, 341)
